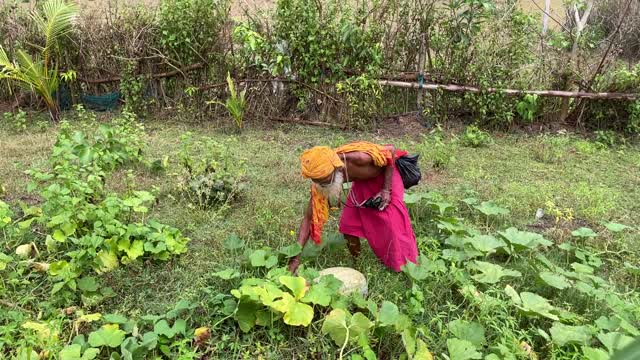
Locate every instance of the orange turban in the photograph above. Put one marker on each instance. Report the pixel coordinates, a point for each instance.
(319, 162)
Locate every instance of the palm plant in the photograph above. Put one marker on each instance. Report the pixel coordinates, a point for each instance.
(235, 104)
(39, 73)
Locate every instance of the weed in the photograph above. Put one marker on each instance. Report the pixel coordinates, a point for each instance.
(475, 138)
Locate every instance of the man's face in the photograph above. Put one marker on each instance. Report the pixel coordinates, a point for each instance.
(330, 186)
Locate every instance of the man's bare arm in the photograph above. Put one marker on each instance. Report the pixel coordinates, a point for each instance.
(303, 236)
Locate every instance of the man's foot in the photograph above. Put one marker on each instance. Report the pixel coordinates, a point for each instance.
(353, 244)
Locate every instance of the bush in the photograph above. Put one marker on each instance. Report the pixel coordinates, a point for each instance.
(475, 138)
(212, 176)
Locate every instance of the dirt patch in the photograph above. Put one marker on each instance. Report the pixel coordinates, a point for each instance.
(402, 125)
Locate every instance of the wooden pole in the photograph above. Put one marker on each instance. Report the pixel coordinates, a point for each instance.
(512, 92)
(545, 16)
(421, 56)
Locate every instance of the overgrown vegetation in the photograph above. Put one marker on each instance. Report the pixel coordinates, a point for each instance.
(328, 56)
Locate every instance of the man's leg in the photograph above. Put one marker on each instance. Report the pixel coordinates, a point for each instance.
(353, 244)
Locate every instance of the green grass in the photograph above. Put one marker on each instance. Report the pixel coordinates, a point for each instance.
(599, 185)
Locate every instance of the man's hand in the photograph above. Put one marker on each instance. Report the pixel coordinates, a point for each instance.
(385, 196)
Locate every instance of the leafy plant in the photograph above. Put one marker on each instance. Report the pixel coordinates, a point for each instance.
(39, 73)
(527, 107)
(235, 103)
(474, 137)
(212, 176)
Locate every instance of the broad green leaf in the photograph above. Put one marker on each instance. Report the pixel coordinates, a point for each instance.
(614, 341)
(115, 319)
(566, 334)
(468, 330)
(534, 303)
(246, 314)
(489, 208)
(335, 325)
(260, 258)
(582, 268)
(422, 351)
(388, 313)
(162, 328)
(107, 261)
(491, 273)
(594, 354)
(135, 250)
(423, 268)
(513, 294)
(359, 325)
(227, 274)
(90, 317)
(485, 243)
(319, 294)
(70, 352)
(291, 250)
(59, 236)
(233, 242)
(555, 280)
(4, 260)
(631, 351)
(462, 350)
(522, 240)
(298, 314)
(584, 232)
(88, 284)
(108, 335)
(615, 227)
(297, 285)
(90, 354)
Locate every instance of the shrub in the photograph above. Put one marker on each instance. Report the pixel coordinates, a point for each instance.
(475, 138)
(212, 175)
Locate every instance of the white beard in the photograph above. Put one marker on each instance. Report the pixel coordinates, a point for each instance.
(333, 190)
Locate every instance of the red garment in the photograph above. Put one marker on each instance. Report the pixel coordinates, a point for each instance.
(388, 232)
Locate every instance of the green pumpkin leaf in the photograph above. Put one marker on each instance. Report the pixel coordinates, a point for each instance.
(594, 354)
(485, 243)
(4, 260)
(297, 285)
(615, 227)
(59, 236)
(489, 208)
(536, 304)
(584, 233)
(233, 242)
(291, 250)
(88, 284)
(491, 273)
(388, 313)
(523, 240)
(298, 314)
(115, 319)
(227, 274)
(422, 351)
(246, 314)
(107, 261)
(162, 328)
(566, 334)
(468, 330)
(423, 268)
(108, 335)
(555, 280)
(319, 294)
(462, 350)
(70, 352)
(335, 325)
(615, 341)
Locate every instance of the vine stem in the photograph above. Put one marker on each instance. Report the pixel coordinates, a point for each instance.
(346, 340)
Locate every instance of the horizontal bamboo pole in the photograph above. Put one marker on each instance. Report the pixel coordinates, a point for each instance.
(512, 92)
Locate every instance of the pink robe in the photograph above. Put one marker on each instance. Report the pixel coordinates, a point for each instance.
(388, 232)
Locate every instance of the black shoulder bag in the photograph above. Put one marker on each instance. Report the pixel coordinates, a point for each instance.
(409, 171)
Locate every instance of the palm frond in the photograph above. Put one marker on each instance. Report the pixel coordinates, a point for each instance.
(54, 20)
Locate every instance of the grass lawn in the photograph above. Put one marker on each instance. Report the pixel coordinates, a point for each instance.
(589, 187)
